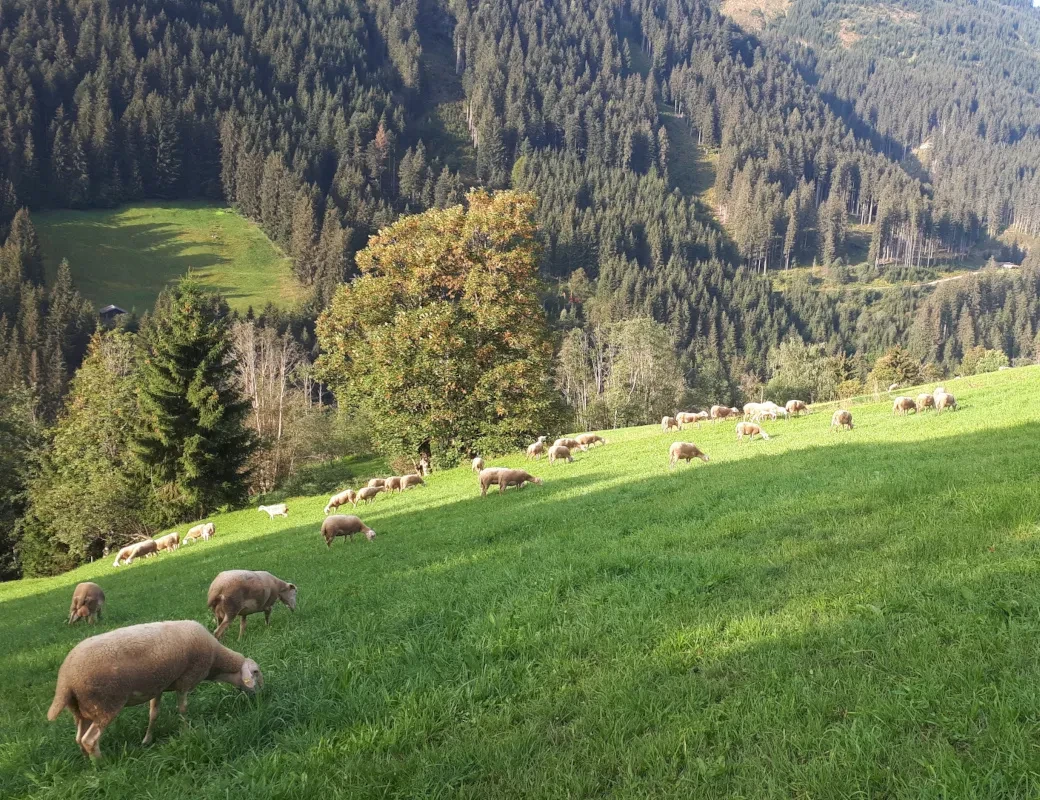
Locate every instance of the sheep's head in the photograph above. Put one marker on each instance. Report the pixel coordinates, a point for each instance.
(288, 596)
(536, 480)
(704, 457)
(250, 679)
(370, 534)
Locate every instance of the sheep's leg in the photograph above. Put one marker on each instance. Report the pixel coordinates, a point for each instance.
(182, 702)
(89, 742)
(267, 617)
(241, 625)
(82, 723)
(153, 714)
(223, 626)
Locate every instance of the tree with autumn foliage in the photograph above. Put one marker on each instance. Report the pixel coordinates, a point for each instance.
(441, 340)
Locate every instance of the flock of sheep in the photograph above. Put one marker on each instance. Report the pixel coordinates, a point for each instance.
(137, 664)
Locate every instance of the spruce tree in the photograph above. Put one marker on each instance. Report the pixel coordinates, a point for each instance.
(193, 441)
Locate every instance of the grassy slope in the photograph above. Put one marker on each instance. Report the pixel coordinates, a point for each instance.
(127, 255)
(820, 615)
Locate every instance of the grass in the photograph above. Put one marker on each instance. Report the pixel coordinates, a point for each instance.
(127, 255)
(824, 615)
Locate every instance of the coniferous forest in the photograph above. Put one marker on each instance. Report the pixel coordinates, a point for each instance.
(687, 173)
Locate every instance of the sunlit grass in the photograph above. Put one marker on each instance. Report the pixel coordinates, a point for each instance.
(820, 615)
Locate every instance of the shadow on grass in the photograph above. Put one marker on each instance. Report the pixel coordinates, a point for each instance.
(758, 609)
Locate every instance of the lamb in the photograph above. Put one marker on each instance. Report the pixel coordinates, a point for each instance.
(392, 485)
(722, 412)
(587, 440)
(841, 419)
(505, 478)
(277, 510)
(408, 481)
(535, 450)
(204, 531)
(240, 592)
(170, 541)
(377, 483)
(751, 430)
(477, 464)
(903, 405)
(925, 400)
(668, 423)
(137, 664)
(944, 400)
(344, 525)
(368, 494)
(795, 407)
(560, 453)
(87, 600)
(570, 444)
(136, 550)
(341, 499)
(685, 451)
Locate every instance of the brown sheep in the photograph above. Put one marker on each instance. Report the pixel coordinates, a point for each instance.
(477, 464)
(344, 525)
(505, 478)
(239, 592)
(536, 450)
(377, 483)
(137, 550)
(690, 417)
(170, 541)
(487, 477)
(204, 531)
(587, 440)
(925, 400)
(392, 484)
(367, 494)
(669, 423)
(751, 430)
(569, 443)
(685, 451)
(903, 405)
(408, 481)
(795, 407)
(841, 419)
(341, 499)
(560, 453)
(87, 601)
(129, 666)
(722, 412)
(944, 400)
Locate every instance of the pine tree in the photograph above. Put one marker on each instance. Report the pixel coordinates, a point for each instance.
(193, 441)
(23, 248)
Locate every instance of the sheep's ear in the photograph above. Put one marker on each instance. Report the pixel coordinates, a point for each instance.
(292, 586)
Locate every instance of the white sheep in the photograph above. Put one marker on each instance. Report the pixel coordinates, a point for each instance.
(841, 419)
(477, 464)
(136, 550)
(560, 453)
(239, 592)
(341, 499)
(408, 481)
(204, 531)
(344, 525)
(751, 430)
(277, 510)
(170, 541)
(685, 451)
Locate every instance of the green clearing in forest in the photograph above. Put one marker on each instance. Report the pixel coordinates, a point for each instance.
(822, 615)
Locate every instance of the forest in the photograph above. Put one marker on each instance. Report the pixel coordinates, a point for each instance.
(846, 150)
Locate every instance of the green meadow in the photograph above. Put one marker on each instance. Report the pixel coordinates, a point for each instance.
(823, 615)
(126, 256)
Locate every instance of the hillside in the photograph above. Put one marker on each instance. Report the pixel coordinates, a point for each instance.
(128, 255)
(823, 614)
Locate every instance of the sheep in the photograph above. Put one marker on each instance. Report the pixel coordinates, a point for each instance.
(722, 412)
(668, 423)
(939, 390)
(137, 664)
(393, 484)
(587, 440)
(751, 430)
(925, 400)
(240, 592)
(536, 450)
(685, 451)
(477, 464)
(170, 541)
(795, 407)
(344, 525)
(505, 478)
(341, 499)
(893, 387)
(560, 453)
(750, 409)
(368, 494)
(841, 419)
(688, 417)
(570, 444)
(903, 405)
(277, 510)
(87, 601)
(944, 400)
(136, 550)
(377, 483)
(408, 481)
(204, 531)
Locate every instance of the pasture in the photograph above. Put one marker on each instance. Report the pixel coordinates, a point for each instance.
(823, 615)
(127, 255)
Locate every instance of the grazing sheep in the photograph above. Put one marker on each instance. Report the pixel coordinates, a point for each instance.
(685, 451)
(750, 430)
(341, 499)
(368, 494)
(536, 450)
(570, 444)
(795, 407)
(204, 531)
(560, 453)
(392, 485)
(690, 417)
(408, 481)
(377, 483)
(170, 541)
(669, 423)
(505, 478)
(722, 412)
(344, 525)
(750, 409)
(587, 440)
(893, 387)
(136, 550)
(944, 400)
(240, 592)
(939, 390)
(903, 405)
(135, 665)
(87, 600)
(477, 464)
(925, 400)
(841, 419)
(277, 510)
